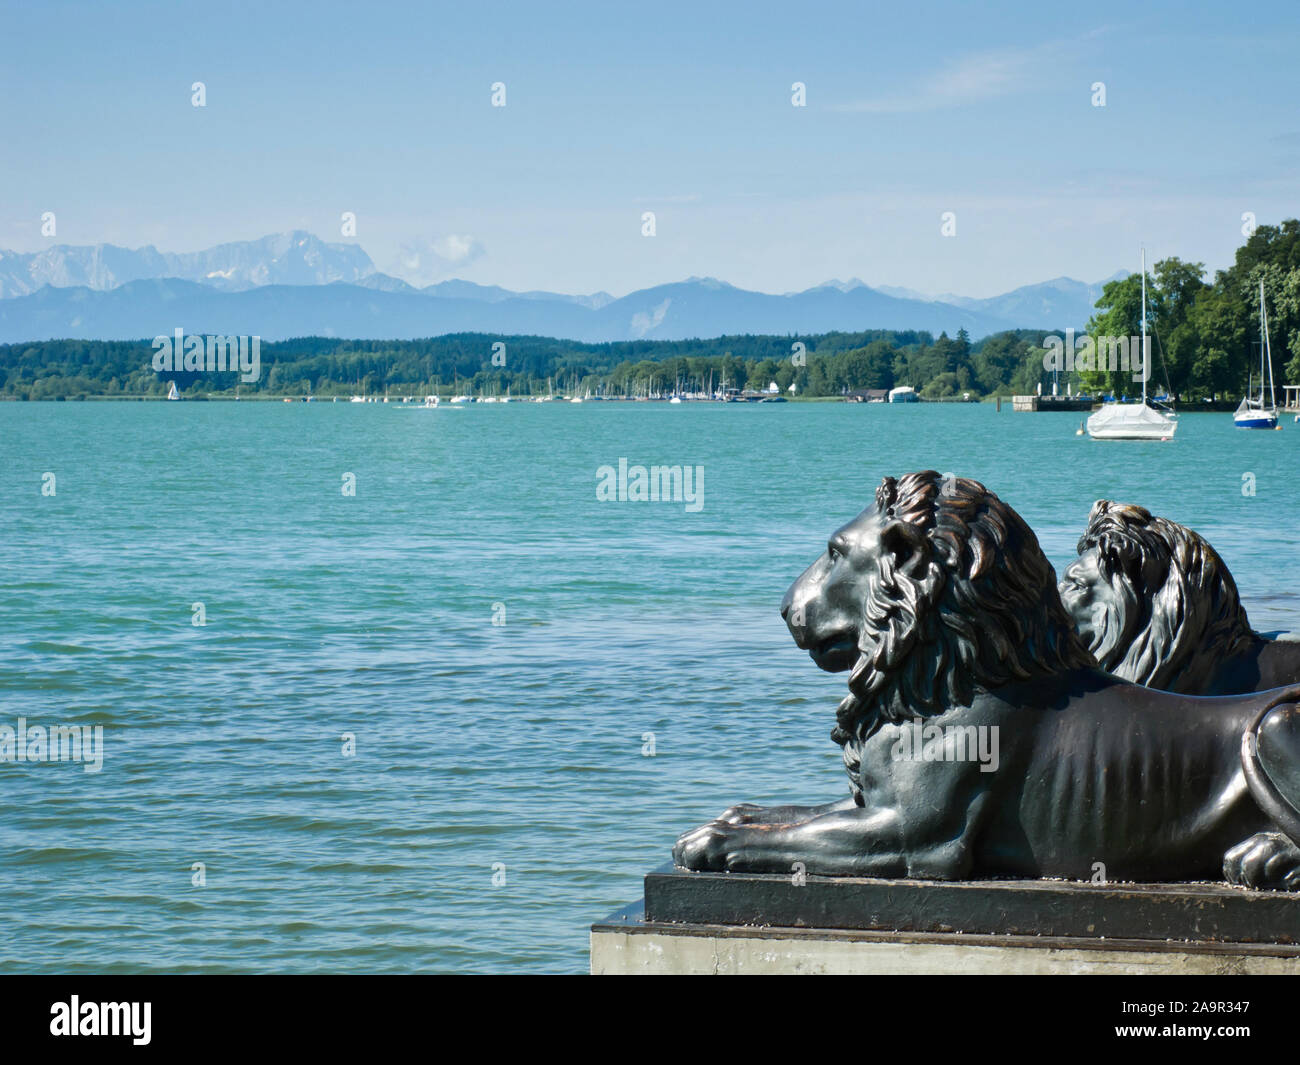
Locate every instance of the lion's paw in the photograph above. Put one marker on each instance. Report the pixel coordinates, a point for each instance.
(705, 849)
(1266, 860)
(743, 813)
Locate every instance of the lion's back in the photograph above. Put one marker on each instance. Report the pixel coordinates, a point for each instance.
(1134, 787)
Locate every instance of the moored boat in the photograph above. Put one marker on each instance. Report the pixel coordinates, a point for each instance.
(1134, 421)
(1255, 413)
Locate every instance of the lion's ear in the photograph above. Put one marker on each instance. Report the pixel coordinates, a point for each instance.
(909, 546)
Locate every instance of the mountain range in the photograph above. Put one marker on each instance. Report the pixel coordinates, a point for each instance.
(294, 284)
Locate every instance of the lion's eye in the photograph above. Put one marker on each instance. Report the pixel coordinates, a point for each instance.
(832, 552)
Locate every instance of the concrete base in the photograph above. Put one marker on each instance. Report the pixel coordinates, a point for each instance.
(626, 944)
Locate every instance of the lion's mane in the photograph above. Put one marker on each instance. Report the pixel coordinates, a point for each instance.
(1179, 615)
(981, 611)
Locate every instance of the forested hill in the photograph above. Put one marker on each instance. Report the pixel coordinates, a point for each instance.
(824, 365)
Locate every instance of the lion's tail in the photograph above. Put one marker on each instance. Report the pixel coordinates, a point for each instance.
(1270, 756)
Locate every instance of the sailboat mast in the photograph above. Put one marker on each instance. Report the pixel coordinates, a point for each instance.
(1265, 351)
(1263, 340)
(1146, 368)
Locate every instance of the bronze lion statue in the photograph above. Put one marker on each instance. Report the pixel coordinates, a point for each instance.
(1157, 605)
(982, 739)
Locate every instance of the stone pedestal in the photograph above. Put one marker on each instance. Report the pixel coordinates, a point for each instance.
(744, 923)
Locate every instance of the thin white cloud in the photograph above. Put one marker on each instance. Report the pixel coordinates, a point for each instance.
(969, 79)
(424, 261)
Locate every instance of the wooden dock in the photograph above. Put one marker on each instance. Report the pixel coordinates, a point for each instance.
(1043, 403)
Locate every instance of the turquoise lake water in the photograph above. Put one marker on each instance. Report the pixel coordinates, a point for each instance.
(498, 800)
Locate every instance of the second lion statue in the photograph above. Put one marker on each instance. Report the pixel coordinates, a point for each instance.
(939, 603)
(1158, 606)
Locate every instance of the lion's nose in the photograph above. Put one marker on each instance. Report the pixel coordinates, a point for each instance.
(787, 602)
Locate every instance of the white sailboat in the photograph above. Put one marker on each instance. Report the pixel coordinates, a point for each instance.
(1134, 421)
(1253, 413)
(173, 394)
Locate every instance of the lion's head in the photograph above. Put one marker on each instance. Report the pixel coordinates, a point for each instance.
(1153, 600)
(936, 590)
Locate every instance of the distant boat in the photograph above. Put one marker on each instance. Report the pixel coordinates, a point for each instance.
(1253, 414)
(903, 394)
(430, 403)
(1134, 421)
(457, 401)
(172, 393)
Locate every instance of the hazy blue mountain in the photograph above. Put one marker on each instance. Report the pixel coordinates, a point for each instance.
(150, 308)
(469, 290)
(386, 283)
(694, 308)
(1057, 304)
(704, 307)
(903, 293)
(1061, 303)
(296, 258)
(49, 293)
(102, 266)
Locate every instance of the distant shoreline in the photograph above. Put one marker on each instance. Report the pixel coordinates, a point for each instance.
(1211, 407)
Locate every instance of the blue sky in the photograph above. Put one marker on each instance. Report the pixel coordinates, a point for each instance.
(683, 109)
